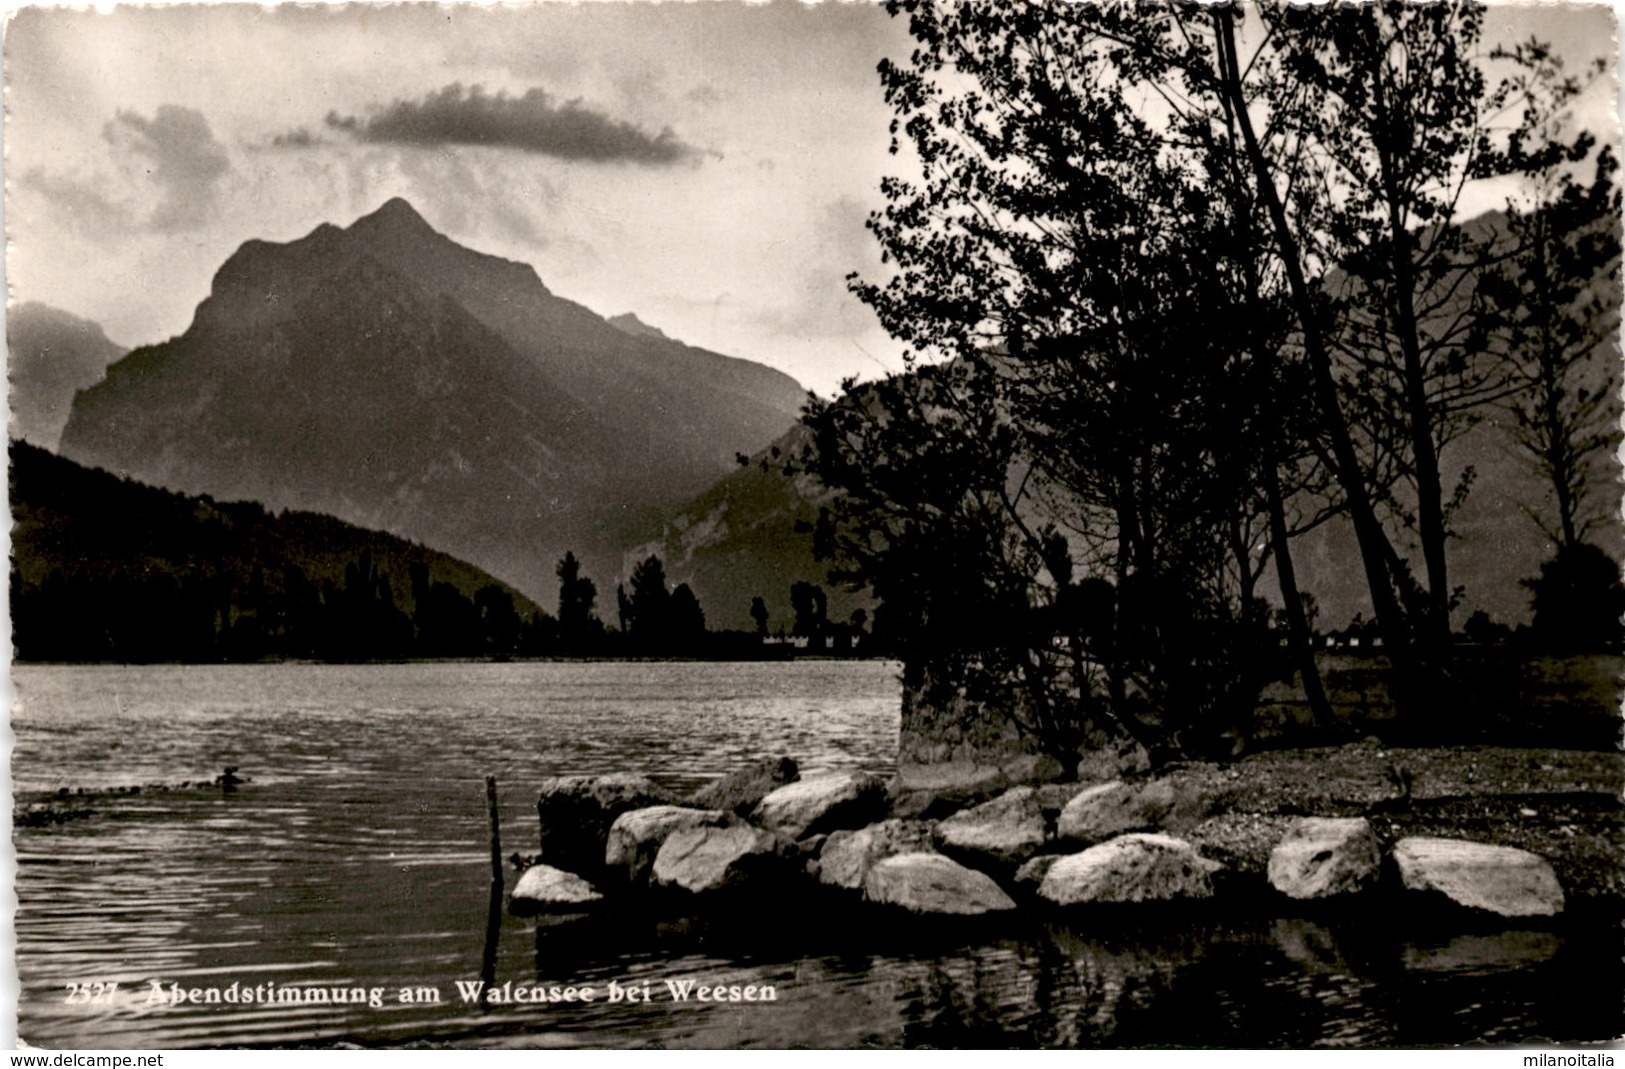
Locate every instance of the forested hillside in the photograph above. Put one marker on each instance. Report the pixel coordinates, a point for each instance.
(108, 569)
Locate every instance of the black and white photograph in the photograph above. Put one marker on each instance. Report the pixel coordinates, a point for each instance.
(1016, 524)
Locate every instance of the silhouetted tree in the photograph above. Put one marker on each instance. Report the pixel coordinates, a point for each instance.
(811, 607)
(577, 625)
(648, 604)
(1484, 630)
(685, 620)
(1121, 327)
(1376, 119)
(499, 623)
(758, 613)
(1558, 296)
(1578, 601)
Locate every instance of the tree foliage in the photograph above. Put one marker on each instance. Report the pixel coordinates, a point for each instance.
(1167, 303)
(578, 627)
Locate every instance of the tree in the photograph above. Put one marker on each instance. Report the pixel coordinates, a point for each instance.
(1381, 117)
(811, 607)
(577, 625)
(499, 623)
(1158, 295)
(685, 620)
(1578, 601)
(1482, 629)
(648, 605)
(758, 613)
(363, 622)
(1559, 298)
(1396, 107)
(1082, 396)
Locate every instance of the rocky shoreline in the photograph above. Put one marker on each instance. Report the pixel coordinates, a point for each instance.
(1285, 830)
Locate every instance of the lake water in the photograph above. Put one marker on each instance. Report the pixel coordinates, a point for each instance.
(356, 857)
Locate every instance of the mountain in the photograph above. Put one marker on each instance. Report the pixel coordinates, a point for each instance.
(748, 536)
(1494, 547)
(108, 569)
(388, 376)
(51, 356)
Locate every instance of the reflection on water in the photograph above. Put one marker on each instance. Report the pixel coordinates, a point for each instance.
(356, 856)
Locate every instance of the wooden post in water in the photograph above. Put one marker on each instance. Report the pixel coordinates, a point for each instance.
(493, 911)
(496, 829)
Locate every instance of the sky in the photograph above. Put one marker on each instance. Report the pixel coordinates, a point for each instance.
(706, 165)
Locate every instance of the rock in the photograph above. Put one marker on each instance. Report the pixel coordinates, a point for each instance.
(848, 856)
(544, 887)
(1032, 873)
(964, 776)
(806, 852)
(1497, 879)
(823, 804)
(927, 804)
(714, 859)
(931, 883)
(636, 836)
(1111, 809)
(742, 788)
(1130, 868)
(577, 811)
(1006, 831)
(1323, 857)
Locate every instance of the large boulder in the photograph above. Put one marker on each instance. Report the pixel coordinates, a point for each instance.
(848, 856)
(715, 859)
(1322, 857)
(543, 887)
(931, 883)
(1005, 831)
(1495, 879)
(823, 804)
(637, 835)
(742, 788)
(576, 812)
(1111, 809)
(1130, 868)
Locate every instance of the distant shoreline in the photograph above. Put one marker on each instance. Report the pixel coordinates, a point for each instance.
(550, 659)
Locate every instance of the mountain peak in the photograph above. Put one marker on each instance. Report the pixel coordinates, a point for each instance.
(395, 215)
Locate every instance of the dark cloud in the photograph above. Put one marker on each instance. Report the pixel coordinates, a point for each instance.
(187, 162)
(535, 122)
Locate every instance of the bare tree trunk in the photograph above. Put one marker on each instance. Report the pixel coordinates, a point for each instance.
(1303, 649)
(1374, 548)
(1434, 630)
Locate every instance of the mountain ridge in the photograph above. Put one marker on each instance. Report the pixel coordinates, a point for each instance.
(52, 354)
(105, 568)
(389, 376)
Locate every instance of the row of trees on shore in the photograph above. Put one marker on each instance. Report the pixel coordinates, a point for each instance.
(1180, 283)
(653, 617)
(143, 615)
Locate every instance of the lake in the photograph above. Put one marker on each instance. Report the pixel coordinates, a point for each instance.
(355, 857)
